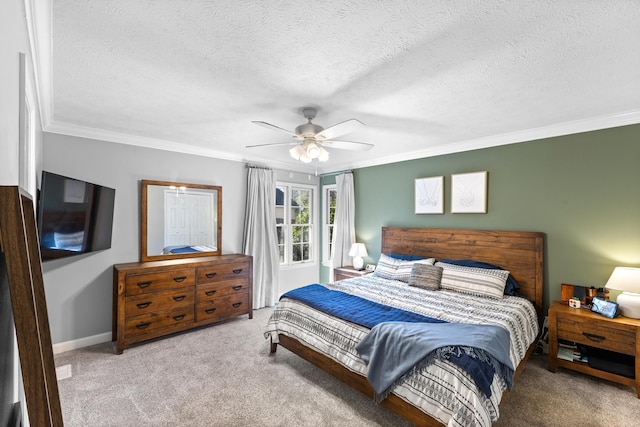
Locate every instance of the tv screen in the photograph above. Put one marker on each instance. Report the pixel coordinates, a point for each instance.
(74, 216)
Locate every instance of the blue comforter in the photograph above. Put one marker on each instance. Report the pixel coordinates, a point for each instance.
(394, 348)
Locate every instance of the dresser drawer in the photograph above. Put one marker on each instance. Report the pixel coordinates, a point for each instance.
(149, 282)
(158, 301)
(222, 289)
(222, 307)
(146, 324)
(609, 338)
(223, 271)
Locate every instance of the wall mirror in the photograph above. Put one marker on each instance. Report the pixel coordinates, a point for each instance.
(180, 220)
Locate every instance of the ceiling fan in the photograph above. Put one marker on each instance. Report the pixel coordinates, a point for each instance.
(311, 139)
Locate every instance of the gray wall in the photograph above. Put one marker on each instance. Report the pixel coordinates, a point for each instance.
(581, 190)
(79, 289)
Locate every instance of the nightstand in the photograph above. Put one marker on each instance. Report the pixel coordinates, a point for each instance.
(348, 272)
(581, 326)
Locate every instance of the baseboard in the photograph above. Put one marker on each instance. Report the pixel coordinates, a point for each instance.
(82, 342)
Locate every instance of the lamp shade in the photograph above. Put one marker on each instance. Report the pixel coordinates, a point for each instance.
(357, 251)
(626, 279)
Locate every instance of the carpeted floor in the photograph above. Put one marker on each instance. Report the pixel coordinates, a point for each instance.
(224, 376)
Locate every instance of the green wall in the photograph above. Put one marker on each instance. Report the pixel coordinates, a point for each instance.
(580, 190)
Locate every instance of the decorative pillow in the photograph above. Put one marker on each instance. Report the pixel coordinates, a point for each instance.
(425, 276)
(511, 287)
(395, 269)
(472, 280)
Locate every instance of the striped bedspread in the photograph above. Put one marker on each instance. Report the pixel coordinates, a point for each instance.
(442, 390)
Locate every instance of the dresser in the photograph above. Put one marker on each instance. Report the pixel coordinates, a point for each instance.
(157, 298)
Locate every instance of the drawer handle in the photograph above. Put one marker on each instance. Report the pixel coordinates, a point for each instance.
(210, 275)
(210, 310)
(179, 297)
(237, 271)
(237, 304)
(209, 293)
(179, 317)
(145, 284)
(143, 325)
(593, 337)
(179, 279)
(237, 288)
(143, 304)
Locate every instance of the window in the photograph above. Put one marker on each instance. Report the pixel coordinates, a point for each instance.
(294, 223)
(329, 212)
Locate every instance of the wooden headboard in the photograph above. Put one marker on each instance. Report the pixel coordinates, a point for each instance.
(520, 252)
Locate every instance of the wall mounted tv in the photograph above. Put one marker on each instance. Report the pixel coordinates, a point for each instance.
(74, 216)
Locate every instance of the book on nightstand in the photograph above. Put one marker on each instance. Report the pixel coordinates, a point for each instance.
(565, 353)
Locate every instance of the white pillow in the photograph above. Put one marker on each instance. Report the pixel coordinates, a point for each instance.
(472, 280)
(396, 269)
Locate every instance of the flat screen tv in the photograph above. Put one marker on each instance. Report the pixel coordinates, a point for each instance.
(74, 216)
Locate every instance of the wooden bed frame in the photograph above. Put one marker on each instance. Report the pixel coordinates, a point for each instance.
(520, 252)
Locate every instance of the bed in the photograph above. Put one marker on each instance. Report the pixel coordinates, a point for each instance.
(441, 393)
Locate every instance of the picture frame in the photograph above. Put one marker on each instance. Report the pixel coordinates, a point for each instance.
(429, 195)
(469, 192)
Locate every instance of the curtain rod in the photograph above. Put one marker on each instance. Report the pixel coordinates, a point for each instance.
(258, 167)
(336, 173)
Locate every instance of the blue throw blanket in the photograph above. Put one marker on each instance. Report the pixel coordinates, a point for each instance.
(396, 350)
(353, 308)
(480, 366)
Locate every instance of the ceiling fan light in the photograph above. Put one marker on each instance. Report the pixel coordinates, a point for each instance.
(294, 153)
(305, 159)
(313, 151)
(324, 155)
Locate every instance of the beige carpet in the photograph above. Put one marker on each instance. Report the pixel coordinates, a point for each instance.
(224, 376)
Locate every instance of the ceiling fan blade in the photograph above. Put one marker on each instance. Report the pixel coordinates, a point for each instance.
(340, 129)
(347, 145)
(272, 145)
(270, 126)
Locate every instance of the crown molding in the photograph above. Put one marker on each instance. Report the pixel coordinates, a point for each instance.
(139, 141)
(555, 130)
(160, 144)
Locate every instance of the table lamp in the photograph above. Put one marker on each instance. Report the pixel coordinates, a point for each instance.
(627, 280)
(357, 251)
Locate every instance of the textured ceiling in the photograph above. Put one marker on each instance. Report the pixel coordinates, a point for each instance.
(426, 77)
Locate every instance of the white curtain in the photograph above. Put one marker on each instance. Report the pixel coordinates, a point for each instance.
(260, 239)
(344, 228)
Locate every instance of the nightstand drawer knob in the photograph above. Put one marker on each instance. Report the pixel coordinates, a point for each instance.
(593, 337)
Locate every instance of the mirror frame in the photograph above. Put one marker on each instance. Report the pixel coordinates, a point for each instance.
(143, 224)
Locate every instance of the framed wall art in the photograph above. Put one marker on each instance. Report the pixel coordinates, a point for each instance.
(429, 195)
(469, 192)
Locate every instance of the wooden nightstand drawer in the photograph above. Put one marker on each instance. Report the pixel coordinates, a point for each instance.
(609, 338)
(348, 272)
